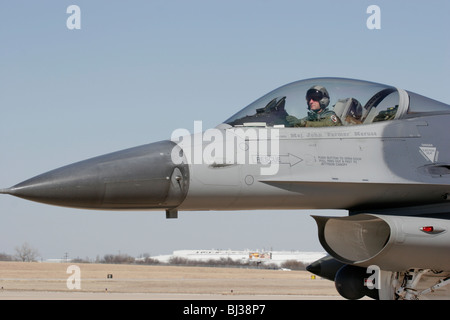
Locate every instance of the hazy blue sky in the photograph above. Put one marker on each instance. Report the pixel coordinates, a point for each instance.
(137, 70)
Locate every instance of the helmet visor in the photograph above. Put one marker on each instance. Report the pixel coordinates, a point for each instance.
(314, 94)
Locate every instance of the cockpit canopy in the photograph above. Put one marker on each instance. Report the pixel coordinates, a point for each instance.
(353, 101)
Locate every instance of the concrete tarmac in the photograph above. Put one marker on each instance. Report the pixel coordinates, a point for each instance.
(49, 295)
(65, 281)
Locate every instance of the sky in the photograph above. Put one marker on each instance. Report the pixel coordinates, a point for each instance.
(135, 71)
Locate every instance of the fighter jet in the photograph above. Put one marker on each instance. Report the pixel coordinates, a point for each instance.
(378, 151)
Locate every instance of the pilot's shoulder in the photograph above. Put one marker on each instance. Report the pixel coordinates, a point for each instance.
(331, 117)
(328, 113)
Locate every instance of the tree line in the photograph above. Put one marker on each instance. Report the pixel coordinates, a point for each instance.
(26, 253)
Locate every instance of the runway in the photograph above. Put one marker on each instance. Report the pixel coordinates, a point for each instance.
(59, 281)
(53, 295)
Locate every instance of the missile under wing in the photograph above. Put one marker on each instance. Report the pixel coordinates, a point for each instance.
(378, 151)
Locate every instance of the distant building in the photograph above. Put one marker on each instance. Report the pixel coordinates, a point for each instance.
(274, 257)
(65, 260)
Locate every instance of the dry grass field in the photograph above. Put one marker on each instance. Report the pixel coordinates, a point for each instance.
(36, 278)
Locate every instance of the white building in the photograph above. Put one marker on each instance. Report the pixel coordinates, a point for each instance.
(274, 257)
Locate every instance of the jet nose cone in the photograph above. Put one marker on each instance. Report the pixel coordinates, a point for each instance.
(6, 191)
(138, 178)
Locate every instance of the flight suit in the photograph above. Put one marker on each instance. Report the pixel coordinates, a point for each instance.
(326, 118)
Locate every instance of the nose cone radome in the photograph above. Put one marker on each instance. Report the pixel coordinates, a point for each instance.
(143, 177)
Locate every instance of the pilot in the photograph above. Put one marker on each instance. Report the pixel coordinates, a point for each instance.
(317, 99)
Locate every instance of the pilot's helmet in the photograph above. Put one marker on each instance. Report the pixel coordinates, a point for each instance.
(355, 109)
(318, 93)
